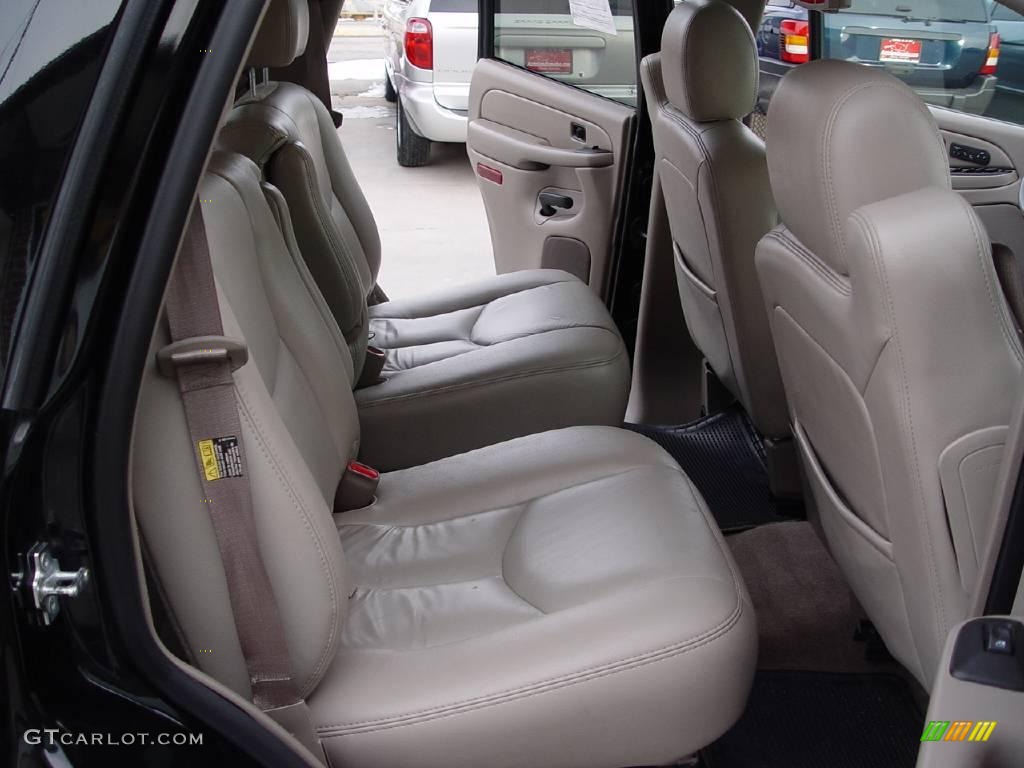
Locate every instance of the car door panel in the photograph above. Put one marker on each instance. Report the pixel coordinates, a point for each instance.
(528, 135)
(970, 723)
(995, 195)
(1003, 141)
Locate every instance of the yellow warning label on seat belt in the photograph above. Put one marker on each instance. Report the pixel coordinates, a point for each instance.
(208, 457)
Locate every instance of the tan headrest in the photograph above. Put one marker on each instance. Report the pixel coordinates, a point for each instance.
(709, 61)
(842, 135)
(282, 35)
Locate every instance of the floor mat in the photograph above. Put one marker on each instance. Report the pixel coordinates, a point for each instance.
(812, 719)
(724, 458)
(806, 613)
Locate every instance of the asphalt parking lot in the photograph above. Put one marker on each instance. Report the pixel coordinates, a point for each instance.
(432, 222)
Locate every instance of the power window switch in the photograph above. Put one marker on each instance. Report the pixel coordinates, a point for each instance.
(1000, 639)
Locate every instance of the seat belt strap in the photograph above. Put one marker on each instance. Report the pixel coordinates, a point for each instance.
(203, 361)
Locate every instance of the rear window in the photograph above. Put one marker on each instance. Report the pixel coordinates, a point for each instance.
(923, 10)
(618, 7)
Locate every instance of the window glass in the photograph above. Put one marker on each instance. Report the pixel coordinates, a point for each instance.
(962, 54)
(453, 6)
(1002, 13)
(50, 54)
(544, 37)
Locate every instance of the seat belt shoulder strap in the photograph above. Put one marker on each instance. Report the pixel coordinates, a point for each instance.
(203, 360)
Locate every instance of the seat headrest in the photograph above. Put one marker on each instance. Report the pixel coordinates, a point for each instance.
(282, 35)
(709, 61)
(843, 135)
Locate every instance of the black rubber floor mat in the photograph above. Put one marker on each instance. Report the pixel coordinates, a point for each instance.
(813, 720)
(724, 458)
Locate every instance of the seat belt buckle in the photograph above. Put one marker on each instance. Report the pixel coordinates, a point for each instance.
(373, 364)
(200, 350)
(357, 487)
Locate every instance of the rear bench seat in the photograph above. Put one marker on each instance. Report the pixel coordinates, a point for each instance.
(561, 599)
(464, 368)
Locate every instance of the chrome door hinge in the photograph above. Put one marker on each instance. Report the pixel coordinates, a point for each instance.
(47, 583)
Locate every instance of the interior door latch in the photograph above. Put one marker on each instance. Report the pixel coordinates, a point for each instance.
(47, 583)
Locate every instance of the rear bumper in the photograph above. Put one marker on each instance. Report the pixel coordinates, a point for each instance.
(975, 98)
(430, 119)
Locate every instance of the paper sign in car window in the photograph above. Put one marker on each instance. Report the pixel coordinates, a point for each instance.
(593, 14)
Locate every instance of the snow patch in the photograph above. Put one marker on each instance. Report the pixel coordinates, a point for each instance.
(375, 91)
(356, 69)
(366, 113)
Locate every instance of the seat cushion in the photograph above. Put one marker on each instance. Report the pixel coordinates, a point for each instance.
(563, 599)
(497, 359)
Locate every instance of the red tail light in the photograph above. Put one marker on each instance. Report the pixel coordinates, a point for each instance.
(992, 60)
(794, 41)
(419, 43)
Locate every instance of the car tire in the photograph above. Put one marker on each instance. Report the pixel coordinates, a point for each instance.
(413, 149)
(390, 94)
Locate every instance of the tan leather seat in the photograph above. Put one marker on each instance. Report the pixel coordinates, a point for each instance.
(713, 174)
(898, 353)
(563, 599)
(470, 366)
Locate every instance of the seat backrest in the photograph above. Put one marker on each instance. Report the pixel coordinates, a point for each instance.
(288, 132)
(299, 429)
(898, 353)
(713, 175)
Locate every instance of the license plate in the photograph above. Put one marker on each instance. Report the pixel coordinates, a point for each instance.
(551, 61)
(900, 49)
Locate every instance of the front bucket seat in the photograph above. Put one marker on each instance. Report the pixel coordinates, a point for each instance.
(900, 358)
(714, 177)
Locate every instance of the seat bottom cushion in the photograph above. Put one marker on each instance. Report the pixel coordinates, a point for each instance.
(563, 599)
(497, 359)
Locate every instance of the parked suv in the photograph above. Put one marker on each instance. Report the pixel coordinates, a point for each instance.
(431, 49)
(946, 50)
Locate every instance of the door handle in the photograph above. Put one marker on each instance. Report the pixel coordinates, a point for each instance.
(550, 202)
(530, 153)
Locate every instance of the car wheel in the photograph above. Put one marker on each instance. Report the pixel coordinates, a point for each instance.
(413, 149)
(390, 94)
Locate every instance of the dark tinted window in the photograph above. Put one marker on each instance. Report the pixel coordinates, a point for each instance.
(50, 54)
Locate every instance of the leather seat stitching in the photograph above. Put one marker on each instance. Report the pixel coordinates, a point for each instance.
(463, 386)
(998, 307)
(338, 251)
(520, 502)
(788, 240)
(523, 507)
(554, 280)
(937, 597)
(484, 345)
(834, 222)
(546, 686)
(286, 483)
